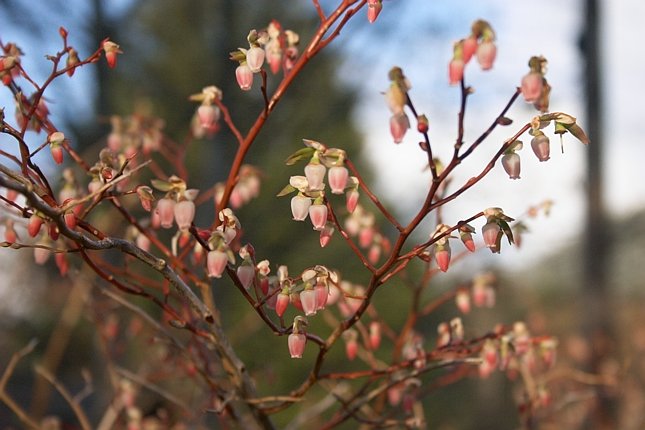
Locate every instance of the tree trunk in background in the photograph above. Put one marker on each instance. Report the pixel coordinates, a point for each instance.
(597, 309)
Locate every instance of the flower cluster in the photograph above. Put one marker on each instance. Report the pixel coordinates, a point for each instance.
(480, 43)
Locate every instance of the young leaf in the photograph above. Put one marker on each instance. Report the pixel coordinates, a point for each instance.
(286, 190)
(299, 155)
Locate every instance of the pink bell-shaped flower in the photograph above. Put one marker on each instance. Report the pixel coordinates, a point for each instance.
(184, 214)
(337, 178)
(486, 53)
(511, 163)
(442, 256)
(456, 71)
(207, 115)
(469, 48)
(246, 275)
(322, 295)
(462, 300)
(532, 87)
(41, 255)
(300, 207)
(373, 9)
(315, 174)
(325, 235)
(282, 302)
(308, 300)
(351, 200)
(297, 342)
(255, 58)
(166, 212)
(318, 215)
(541, 147)
(351, 348)
(491, 232)
(35, 222)
(216, 262)
(244, 77)
(375, 335)
(399, 125)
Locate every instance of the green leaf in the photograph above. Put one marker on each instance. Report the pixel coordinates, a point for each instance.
(286, 190)
(161, 185)
(506, 229)
(299, 155)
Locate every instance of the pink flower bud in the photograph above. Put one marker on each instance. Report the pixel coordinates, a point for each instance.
(318, 216)
(442, 256)
(541, 147)
(62, 263)
(375, 335)
(207, 115)
(511, 163)
(166, 212)
(373, 9)
(456, 71)
(111, 50)
(351, 348)
(308, 300)
(10, 235)
(297, 342)
(281, 303)
(35, 222)
(486, 53)
(70, 220)
(365, 237)
(255, 58)
(322, 295)
(41, 255)
(216, 262)
(294, 298)
(244, 77)
(143, 242)
(246, 275)
(491, 233)
(351, 199)
(399, 125)
(532, 87)
(467, 239)
(325, 235)
(184, 214)
(337, 178)
(300, 207)
(462, 300)
(57, 153)
(315, 173)
(53, 231)
(469, 48)
(374, 253)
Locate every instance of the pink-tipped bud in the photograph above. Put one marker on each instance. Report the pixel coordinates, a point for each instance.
(322, 295)
(337, 178)
(10, 235)
(207, 115)
(351, 200)
(35, 222)
(41, 255)
(462, 300)
(297, 342)
(111, 50)
(246, 275)
(318, 216)
(491, 232)
(486, 53)
(294, 298)
(467, 240)
(351, 348)
(456, 71)
(315, 173)
(300, 207)
(281, 303)
(70, 220)
(325, 235)
(442, 256)
(375, 335)
(184, 214)
(308, 300)
(399, 125)
(532, 87)
(166, 212)
(255, 58)
(53, 231)
(511, 163)
(244, 77)
(469, 48)
(541, 147)
(374, 253)
(365, 237)
(374, 8)
(62, 263)
(57, 153)
(216, 262)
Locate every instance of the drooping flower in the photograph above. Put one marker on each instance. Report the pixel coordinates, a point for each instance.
(541, 147)
(111, 50)
(315, 174)
(297, 342)
(373, 9)
(255, 58)
(300, 207)
(337, 177)
(399, 125)
(216, 262)
(244, 77)
(511, 163)
(166, 211)
(184, 214)
(531, 86)
(246, 275)
(318, 215)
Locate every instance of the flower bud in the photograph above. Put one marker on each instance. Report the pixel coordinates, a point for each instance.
(325, 235)
(351, 200)
(111, 50)
(318, 216)
(375, 335)
(297, 342)
(532, 87)
(469, 48)
(282, 302)
(511, 163)
(255, 58)
(337, 178)
(373, 9)
(62, 263)
(244, 77)
(166, 211)
(462, 300)
(399, 125)
(442, 256)
(216, 262)
(456, 71)
(246, 275)
(491, 233)
(41, 255)
(35, 222)
(541, 147)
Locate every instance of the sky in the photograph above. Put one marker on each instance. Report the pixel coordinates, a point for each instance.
(421, 43)
(417, 35)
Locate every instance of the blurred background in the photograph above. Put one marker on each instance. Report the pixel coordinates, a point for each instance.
(578, 274)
